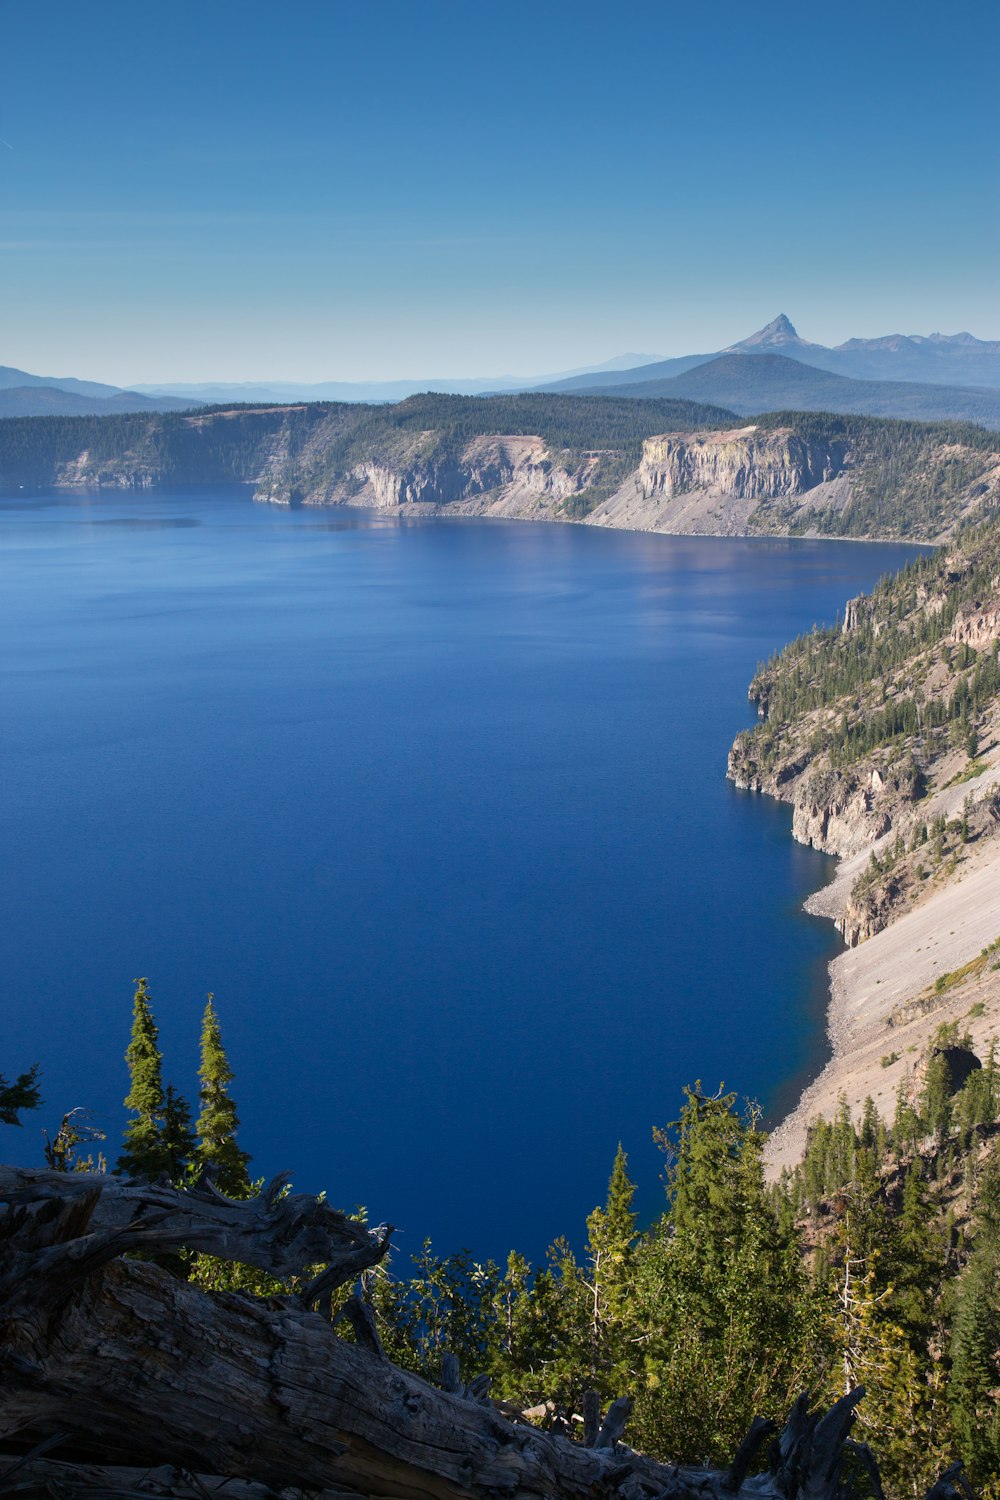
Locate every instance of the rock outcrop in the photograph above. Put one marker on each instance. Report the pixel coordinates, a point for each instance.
(977, 625)
(486, 466)
(746, 462)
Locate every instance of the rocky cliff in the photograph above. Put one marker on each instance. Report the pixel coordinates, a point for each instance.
(649, 465)
(883, 736)
(746, 463)
(485, 473)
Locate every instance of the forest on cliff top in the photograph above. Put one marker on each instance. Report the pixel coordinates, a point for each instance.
(908, 479)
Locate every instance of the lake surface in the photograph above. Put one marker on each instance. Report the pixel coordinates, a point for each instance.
(436, 808)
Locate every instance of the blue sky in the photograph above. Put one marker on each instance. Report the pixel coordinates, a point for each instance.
(366, 190)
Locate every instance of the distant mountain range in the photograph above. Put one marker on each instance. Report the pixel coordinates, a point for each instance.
(933, 359)
(774, 382)
(24, 395)
(376, 391)
(933, 376)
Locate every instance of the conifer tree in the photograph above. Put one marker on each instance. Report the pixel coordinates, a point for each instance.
(17, 1096)
(218, 1120)
(144, 1154)
(177, 1136)
(975, 1346)
(158, 1140)
(610, 1239)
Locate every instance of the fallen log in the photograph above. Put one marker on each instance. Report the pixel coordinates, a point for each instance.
(135, 1369)
(277, 1231)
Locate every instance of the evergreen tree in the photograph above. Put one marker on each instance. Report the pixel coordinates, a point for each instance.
(914, 1260)
(177, 1136)
(17, 1096)
(975, 1345)
(610, 1240)
(936, 1106)
(218, 1120)
(724, 1306)
(158, 1140)
(144, 1154)
(906, 1121)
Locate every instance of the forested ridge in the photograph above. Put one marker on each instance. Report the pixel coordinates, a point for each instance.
(231, 443)
(876, 1264)
(891, 670)
(906, 478)
(890, 708)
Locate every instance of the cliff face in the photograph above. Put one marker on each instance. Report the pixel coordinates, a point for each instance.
(747, 463)
(546, 457)
(884, 738)
(499, 467)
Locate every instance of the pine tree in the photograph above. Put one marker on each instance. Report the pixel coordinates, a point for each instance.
(610, 1240)
(158, 1141)
(218, 1120)
(19, 1095)
(177, 1136)
(722, 1298)
(144, 1154)
(975, 1345)
(936, 1106)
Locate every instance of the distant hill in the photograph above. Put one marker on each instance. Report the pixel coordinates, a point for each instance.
(14, 378)
(748, 384)
(931, 359)
(384, 390)
(26, 395)
(49, 400)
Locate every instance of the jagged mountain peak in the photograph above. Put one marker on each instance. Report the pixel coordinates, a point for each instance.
(781, 331)
(780, 327)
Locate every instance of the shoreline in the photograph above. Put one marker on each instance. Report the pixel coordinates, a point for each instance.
(883, 1008)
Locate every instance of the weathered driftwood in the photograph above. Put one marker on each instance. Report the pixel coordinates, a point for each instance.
(133, 1367)
(279, 1232)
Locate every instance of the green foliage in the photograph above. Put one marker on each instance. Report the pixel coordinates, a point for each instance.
(158, 1139)
(62, 1152)
(975, 1343)
(735, 1298)
(17, 1096)
(143, 1154)
(218, 1120)
(860, 690)
(905, 476)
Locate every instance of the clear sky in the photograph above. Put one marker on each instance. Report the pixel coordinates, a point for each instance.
(231, 189)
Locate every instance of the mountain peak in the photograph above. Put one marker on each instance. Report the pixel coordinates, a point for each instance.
(781, 330)
(780, 327)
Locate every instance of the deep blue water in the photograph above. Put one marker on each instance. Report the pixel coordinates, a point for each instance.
(437, 809)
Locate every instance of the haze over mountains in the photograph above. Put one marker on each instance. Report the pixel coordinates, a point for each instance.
(934, 359)
(387, 390)
(773, 382)
(25, 395)
(934, 376)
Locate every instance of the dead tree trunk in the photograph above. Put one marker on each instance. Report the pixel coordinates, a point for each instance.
(133, 1367)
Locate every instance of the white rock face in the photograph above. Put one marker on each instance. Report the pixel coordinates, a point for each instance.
(746, 462)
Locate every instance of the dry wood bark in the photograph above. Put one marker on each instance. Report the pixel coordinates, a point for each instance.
(135, 1367)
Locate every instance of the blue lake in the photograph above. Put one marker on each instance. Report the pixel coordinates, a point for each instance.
(436, 808)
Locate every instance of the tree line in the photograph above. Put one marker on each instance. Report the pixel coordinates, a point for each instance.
(876, 1262)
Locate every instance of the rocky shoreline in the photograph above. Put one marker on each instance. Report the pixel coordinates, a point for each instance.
(914, 822)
